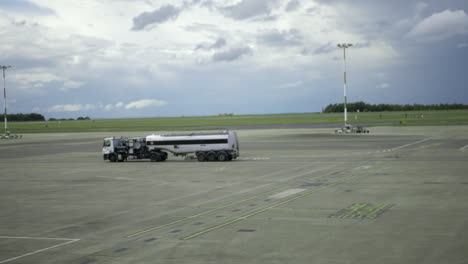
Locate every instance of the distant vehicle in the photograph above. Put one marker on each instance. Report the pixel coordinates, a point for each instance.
(350, 129)
(360, 129)
(223, 146)
(9, 135)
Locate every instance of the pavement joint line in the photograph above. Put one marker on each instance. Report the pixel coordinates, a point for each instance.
(214, 217)
(237, 183)
(203, 213)
(307, 173)
(38, 238)
(409, 144)
(234, 203)
(271, 207)
(280, 171)
(68, 241)
(181, 220)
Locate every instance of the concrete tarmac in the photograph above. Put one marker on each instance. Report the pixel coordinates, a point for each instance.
(397, 195)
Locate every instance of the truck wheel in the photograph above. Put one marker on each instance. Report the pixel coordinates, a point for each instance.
(211, 156)
(164, 156)
(201, 156)
(112, 157)
(155, 157)
(222, 156)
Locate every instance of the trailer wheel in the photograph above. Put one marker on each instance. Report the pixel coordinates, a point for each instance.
(112, 157)
(155, 157)
(211, 156)
(201, 156)
(164, 156)
(222, 156)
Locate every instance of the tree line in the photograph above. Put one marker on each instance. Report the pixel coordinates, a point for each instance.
(25, 117)
(70, 119)
(364, 107)
(38, 117)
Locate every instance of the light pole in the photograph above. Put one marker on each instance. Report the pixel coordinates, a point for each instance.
(344, 46)
(4, 96)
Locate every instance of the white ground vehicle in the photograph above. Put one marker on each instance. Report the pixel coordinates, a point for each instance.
(350, 129)
(220, 146)
(9, 135)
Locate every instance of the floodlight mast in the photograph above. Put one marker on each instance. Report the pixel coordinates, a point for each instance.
(344, 46)
(4, 96)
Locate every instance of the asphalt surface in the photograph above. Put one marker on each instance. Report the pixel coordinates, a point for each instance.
(397, 195)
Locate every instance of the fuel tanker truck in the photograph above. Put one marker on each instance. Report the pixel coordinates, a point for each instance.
(220, 146)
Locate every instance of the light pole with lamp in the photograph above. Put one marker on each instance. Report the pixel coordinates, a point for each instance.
(4, 97)
(344, 46)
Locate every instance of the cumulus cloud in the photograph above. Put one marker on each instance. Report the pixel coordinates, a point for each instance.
(108, 107)
(158, 16)
(145, 103)
(441, 26)
(70, 85)
(246, 9)
(232, 54)
(71, 107)
(55, 54)
(33, 81)
(134, 105)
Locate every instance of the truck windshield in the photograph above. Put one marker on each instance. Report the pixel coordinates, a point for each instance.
(107, 143)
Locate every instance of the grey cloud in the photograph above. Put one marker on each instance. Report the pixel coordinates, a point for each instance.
(199, 27)
(248, 8)
(232, 54)
(219, 43)
(24, 6)
(327, 48)
(282, 39)
(293, 5)
(360, 45)
(158, 16)
(441, 26)
(330, 47)
(266, 18)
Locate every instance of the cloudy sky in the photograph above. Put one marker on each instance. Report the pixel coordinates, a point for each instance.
(143, 58)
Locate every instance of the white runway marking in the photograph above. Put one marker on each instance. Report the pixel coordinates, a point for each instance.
(255, 158)
(363, 167)
(403, 146)
(410, 144)
(286, 193)
(114, 178)
(67, 241)
(462, 149)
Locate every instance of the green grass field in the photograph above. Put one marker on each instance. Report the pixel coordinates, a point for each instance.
(218, 122)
